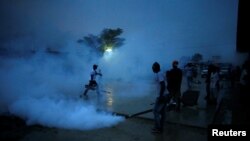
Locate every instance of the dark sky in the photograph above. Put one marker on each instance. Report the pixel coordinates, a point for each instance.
(177, 28)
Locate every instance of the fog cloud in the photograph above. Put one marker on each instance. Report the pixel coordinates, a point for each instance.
(43, 69)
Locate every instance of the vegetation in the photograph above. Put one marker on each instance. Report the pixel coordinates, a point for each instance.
(107, 41)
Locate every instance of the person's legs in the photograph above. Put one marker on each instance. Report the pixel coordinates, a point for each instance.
(213, 96)
(86, 91)
(208, 92)
(177, 99)
(97, 89)
(172, 97)
(162, 119)
(157, 116)
(178, 107)
(87, 87)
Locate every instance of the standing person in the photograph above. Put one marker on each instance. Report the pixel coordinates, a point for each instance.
(174, 83)
(92, 82)
(208, 81)
(189, 74)
(160, 104)
(214, 80)
(235, 75)
(244, 83)
(244, 77)
(195, 82)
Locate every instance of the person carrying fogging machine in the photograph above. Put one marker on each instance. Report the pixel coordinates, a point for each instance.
(93, 85)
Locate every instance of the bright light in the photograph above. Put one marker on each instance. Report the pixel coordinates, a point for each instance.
(108, 50)
(108, 53)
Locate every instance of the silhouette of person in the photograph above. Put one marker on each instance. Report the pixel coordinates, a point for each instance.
(160, 104)
(92, 82)
(190, 70)
(174, 83)
(208, 81)
(214, 82)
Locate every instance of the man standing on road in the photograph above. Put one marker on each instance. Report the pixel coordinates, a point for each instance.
(174, 83)
(160, 104)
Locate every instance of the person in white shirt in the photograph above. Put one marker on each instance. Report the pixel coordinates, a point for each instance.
(92, 82)
(160, 103)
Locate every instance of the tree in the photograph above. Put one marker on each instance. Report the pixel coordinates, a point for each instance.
(106, 41)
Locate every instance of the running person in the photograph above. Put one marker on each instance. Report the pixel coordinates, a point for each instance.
(92, 82)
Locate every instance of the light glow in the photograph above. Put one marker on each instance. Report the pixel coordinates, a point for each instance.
(108, 50)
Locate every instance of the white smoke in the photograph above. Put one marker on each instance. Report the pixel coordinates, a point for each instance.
(44, 87)
(69, 114)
